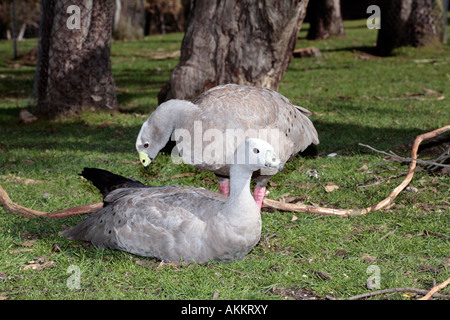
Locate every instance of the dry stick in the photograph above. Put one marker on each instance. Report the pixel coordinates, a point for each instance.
(297, 207)
(411, 98)
(398, 158)
(388, 234)
(374, 293)
(427, 232)
(222, 267)
(436, 289)
(381, 181)
(14, 208)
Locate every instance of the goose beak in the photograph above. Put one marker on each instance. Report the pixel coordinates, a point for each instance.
(272, 161)
(144, 159)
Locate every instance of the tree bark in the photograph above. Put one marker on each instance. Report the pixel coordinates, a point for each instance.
(325, 19)
(74, 68)
(409, 23)
(245, 42)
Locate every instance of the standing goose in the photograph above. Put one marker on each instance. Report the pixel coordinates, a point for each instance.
(175, 223)
(208, 129)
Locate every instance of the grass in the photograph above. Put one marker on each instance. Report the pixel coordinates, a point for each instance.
(353, 99)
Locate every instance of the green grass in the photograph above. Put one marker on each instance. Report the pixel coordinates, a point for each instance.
(353, 100)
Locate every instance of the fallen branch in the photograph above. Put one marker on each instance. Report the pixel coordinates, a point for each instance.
(410, 98)
(381, 181)
(427, 232)
(435, 289)
(223, 267)
(14, 208)
(297, 207)
(388, 234)
(398, 158)
(445, 156)
(374, 293)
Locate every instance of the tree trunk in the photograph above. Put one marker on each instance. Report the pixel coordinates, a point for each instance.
(129, 19)
(325, 19)
(244, 42)
(74, 68)
(409, 23)
(13, 29)
(117, 11)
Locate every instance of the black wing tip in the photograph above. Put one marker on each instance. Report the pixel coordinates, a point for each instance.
(106, 181)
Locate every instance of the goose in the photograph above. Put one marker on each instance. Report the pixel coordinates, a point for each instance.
(179, 224)
(208, 129)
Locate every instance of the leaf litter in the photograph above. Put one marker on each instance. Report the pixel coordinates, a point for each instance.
(38, 264)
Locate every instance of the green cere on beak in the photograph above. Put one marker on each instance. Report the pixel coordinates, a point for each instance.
(144, 159)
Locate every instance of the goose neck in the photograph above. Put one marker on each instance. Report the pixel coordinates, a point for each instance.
(240, 177)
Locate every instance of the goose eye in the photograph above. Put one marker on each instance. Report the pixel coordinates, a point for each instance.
(145, 145)
(255, 150)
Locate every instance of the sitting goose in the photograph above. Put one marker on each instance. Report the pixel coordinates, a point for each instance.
(175, 223)
(208, 130)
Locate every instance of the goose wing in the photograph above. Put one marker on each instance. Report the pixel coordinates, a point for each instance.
(259, 113)
(167, 223)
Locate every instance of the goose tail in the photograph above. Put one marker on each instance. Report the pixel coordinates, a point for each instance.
(106, 181)
(93, 228)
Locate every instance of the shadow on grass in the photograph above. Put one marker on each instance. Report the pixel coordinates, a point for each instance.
(371, 50)
(66, 136)
(16, 83)
(77, 135)
(77, 140)
(138, 85)
(344, 138)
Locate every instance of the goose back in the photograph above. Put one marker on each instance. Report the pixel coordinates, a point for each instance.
(258, 112)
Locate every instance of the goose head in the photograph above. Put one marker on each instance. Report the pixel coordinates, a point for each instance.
(156, 131)
(153, 136)
(144, 145)
(257, 154)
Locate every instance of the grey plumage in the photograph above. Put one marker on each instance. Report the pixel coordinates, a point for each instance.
(228, 107)
(181, 223)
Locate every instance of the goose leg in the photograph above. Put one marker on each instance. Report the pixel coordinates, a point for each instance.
(258, 195)
(260, 188)
(224, 185)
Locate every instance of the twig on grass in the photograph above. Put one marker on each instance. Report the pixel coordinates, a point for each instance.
(402, 159)
(445, 156)
(435, 289)
(14, 208)
(414, 290)
(388, 234)
(382, 181)
(297, 207)
(410, 98)
(321, 274)
(223, 267)
(427, 232)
